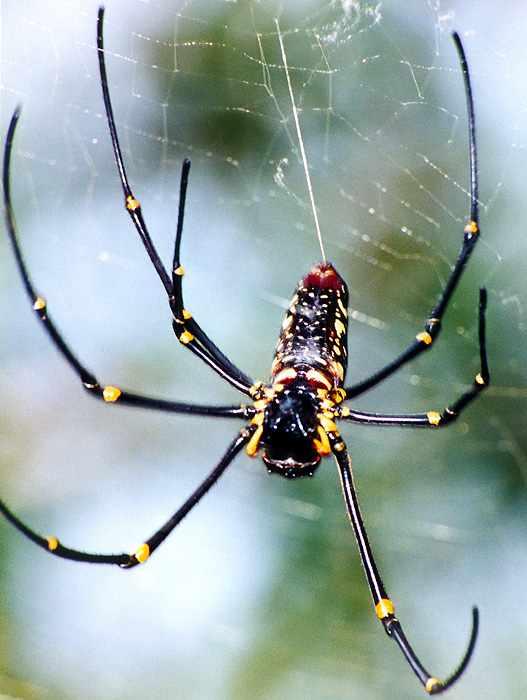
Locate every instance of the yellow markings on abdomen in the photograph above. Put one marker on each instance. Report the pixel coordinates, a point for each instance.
(338, 369)
(276, 364)
(317, 377)
(287, 322)
(286, 375)
(340, 327)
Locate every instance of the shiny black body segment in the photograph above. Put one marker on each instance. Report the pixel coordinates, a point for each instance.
(291, 420)
(314, 332)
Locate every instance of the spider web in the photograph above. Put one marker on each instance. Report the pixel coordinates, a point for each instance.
(260, 593)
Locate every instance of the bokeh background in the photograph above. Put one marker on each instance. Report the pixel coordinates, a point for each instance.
(260, 593)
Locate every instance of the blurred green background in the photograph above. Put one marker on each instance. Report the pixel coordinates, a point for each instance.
(260, 593)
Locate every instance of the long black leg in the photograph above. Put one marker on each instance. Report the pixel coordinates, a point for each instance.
(133, 206)
(127, 561)
(186, 328)
(205, 348)
(384, 606)
(109, 394)
(432, 327)
(434, 419)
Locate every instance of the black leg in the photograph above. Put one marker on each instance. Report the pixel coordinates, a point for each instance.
(187, 330)
(109, 394)
(434, 419)
(384, 606)
(133, 206)
(432, 327)
(127, 561)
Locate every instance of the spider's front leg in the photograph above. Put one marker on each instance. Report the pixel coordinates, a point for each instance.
(423, 340)
(108, 393)
(187, 330)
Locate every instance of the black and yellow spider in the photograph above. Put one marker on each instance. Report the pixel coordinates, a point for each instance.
(292, 419)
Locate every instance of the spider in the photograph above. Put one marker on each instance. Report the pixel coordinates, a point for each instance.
(291, 418)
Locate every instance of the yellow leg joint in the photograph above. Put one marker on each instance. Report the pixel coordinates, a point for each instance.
(179, 271)
(111, 394)
(53, 543)
(186, 337)
(432, 684)
(186, 314)
(424, 337)
(132, 203)
(39, 304)
(252, 445)
(384, 608)
(434, 418)
(479, 379)
(142, 553)
(471, 227)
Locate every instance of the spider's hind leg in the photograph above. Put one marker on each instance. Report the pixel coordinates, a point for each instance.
(384, 607)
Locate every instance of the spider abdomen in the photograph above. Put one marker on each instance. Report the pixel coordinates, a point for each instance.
(313, 339)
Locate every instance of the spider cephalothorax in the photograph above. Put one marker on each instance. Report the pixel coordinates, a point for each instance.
(290, 432)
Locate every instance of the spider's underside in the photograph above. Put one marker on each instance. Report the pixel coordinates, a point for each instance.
(292, 419)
